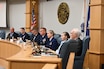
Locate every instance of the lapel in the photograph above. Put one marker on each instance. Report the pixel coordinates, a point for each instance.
(50, 41)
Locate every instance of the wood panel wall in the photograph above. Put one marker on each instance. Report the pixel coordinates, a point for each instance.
(96, 51)
(28, 13)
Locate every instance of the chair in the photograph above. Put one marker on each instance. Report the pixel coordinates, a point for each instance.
(17, 32)
(58, 38)
(66, 50)
(50, 66)
(102, 66)
(2, 34)
(70, 60)
(29, 33)
(78, 61)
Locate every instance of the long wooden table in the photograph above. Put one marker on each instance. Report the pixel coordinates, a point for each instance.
(13, 56)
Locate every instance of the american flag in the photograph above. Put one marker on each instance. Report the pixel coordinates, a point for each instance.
(33, 24)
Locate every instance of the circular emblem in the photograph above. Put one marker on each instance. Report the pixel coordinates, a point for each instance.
(63, 13)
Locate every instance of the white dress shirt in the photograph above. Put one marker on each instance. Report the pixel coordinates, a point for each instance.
(57, 51)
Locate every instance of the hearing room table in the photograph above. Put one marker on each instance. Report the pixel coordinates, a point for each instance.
(15, 56)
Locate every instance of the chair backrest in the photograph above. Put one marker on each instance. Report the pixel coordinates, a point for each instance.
(18, 32)
(65, 51)
(70, 60)
(2, 34)
(59, 40)
(50, 66)
(29, 33)
(78, 61)
(85, 46)
(57, 36)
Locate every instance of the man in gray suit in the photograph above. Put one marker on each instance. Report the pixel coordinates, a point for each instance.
(73, 45)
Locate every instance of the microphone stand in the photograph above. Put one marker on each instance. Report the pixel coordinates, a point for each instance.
(36, 49)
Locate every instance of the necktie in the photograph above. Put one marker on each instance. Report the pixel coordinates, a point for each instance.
(34, 38)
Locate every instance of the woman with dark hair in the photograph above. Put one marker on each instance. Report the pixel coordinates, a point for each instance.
(64, 37)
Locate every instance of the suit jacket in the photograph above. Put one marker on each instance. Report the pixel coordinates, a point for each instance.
(67, 47)
(14, 35)
(35, 38)
(24, 37)
(43, 40)
(52, 44)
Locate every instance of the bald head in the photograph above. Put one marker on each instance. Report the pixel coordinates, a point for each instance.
(75, 33)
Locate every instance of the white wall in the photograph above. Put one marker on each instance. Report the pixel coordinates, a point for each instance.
(48, 15)
(15, 14)
(2, 13)
(16, 11)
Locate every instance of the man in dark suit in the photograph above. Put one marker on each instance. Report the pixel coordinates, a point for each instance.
(43, 37)
(35, 36)
(73, 45)
(64, 38)
(12, 34)
(52, 42)
(24, 35)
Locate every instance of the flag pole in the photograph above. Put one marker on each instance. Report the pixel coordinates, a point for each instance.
(33, 13)
(85, 16)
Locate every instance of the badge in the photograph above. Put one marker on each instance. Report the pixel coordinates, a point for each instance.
(50, 43)
(44, 40)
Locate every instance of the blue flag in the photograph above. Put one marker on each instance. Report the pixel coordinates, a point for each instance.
(88, 21)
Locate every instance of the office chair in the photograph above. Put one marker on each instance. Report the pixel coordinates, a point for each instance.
(58, 38)
(29, 33)
(17, 32)
(78, 61)
(2, 34)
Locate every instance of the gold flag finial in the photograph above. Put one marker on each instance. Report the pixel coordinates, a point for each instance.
(33, 2)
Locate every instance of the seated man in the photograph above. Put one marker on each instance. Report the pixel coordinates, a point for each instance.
(73, 45)
(64, 37)
(24, 35)
(35, 36)
(43, 36)
(12, 34)
(52, 42)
